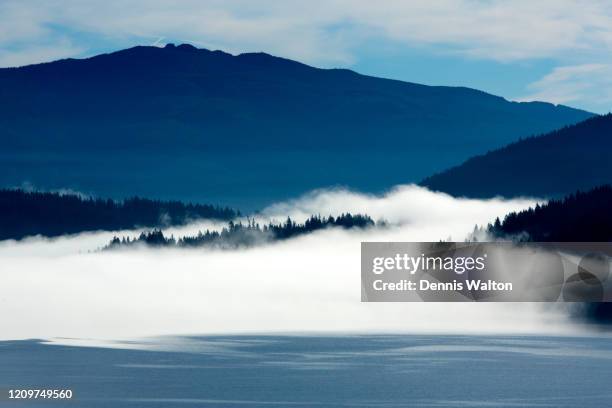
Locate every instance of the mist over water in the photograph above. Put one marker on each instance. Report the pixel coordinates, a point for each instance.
(311, 284)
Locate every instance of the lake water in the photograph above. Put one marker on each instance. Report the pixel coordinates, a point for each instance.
(330, 371)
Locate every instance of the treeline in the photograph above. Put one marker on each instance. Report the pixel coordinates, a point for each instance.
(579, 217)
(24, 213)
(237, 235)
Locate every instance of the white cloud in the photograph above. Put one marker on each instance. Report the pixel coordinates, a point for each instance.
(574, 84)
(54, 288)
(326, 32)
(37, 53)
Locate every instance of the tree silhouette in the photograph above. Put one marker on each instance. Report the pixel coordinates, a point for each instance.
(237, 235)
(579, 217)
(51, 214)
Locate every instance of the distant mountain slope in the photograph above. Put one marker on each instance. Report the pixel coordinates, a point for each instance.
(573, 158)
(175, 112)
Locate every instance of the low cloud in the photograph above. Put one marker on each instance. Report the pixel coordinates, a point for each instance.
(56, 288)
(426, 214)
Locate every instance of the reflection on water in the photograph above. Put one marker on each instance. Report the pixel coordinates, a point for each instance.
(351, 371)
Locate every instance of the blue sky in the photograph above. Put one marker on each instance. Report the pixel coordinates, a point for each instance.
(552, 50)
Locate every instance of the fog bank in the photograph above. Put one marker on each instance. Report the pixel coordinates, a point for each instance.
(56, 288)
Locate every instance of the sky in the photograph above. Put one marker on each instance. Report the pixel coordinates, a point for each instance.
(551, 50)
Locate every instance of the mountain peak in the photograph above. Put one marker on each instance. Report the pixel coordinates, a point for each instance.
(182, 47)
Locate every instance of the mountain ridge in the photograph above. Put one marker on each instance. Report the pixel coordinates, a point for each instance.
(256, 54)
(575, 157)
(250, 125)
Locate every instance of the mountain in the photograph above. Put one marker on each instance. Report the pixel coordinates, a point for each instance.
(573, 158)
(197, 124)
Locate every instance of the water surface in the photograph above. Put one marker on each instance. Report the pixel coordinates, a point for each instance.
(330, 371)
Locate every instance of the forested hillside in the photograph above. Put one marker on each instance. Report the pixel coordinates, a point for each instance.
(579, 217)
(48, 214)
(573, 158)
